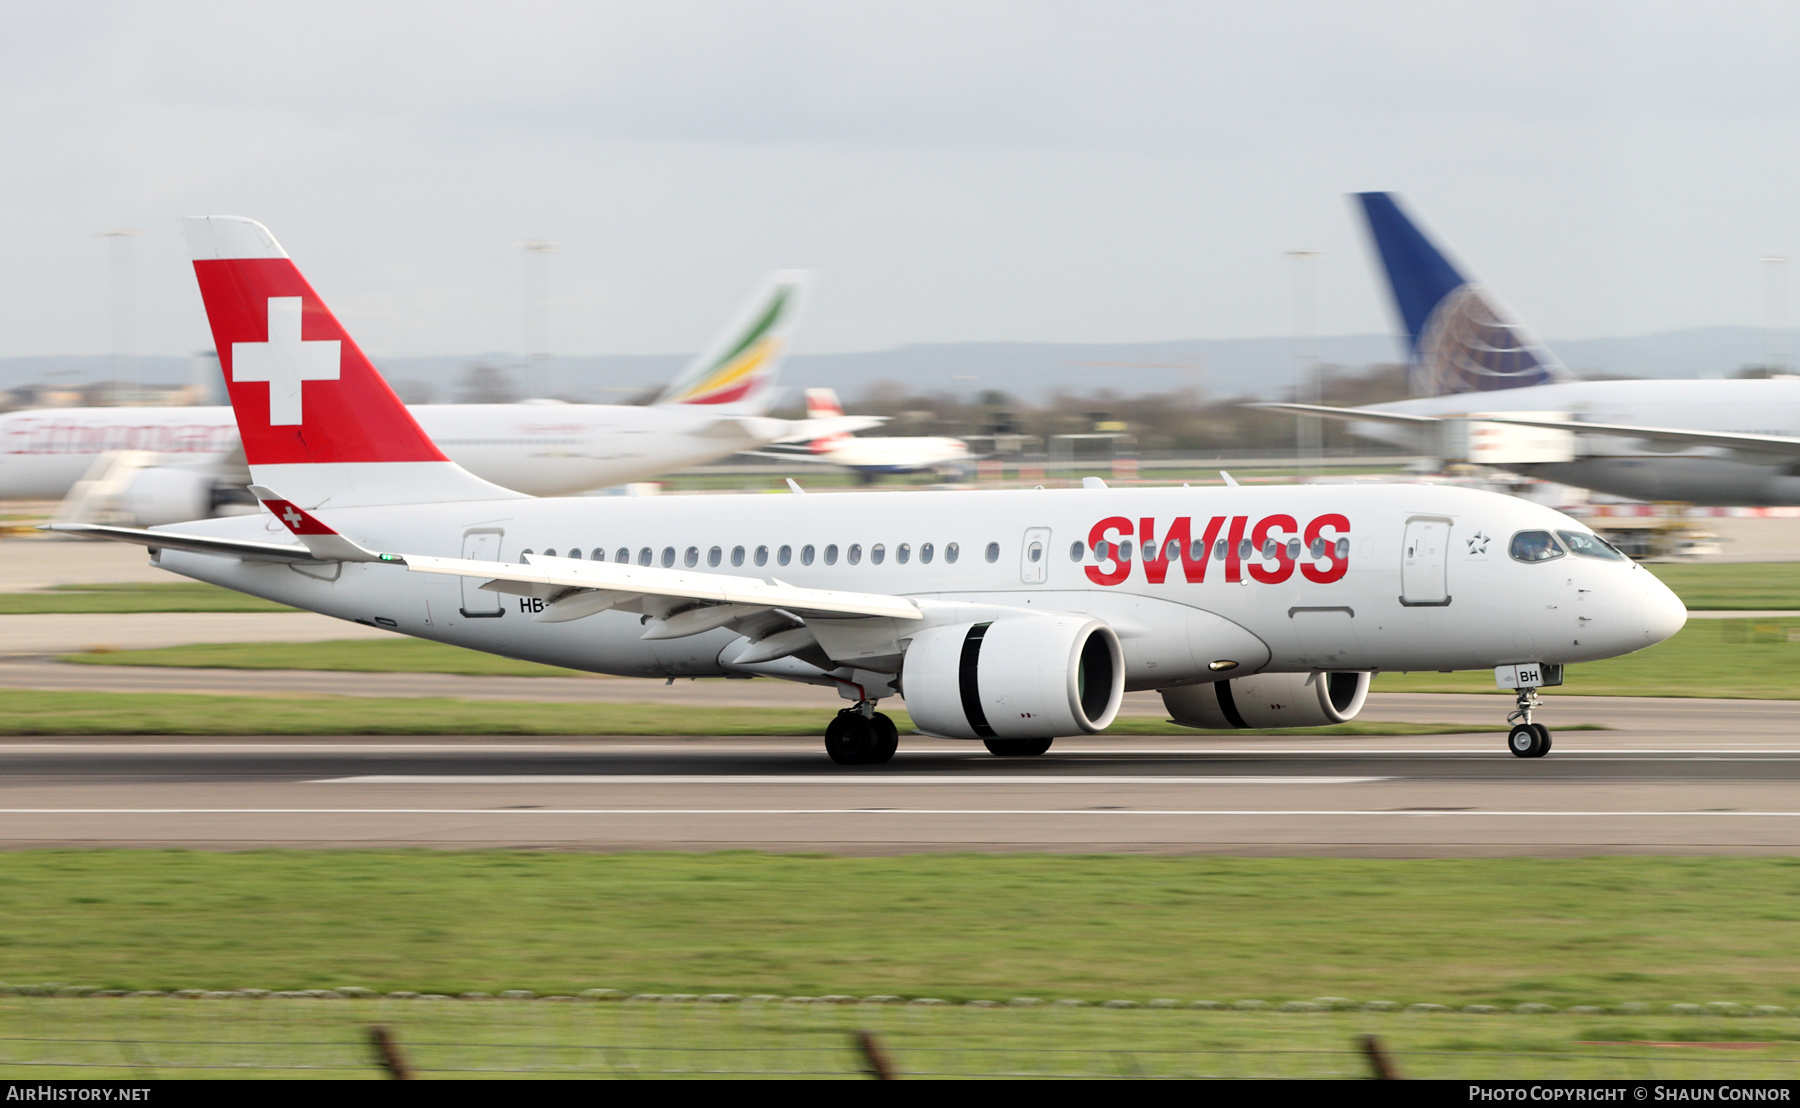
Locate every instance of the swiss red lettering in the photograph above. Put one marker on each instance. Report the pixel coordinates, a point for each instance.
(1114, 525)
(1273, 532)
(1335, 564)
(1283, 566)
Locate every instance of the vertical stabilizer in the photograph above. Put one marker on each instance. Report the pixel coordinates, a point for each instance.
(315, 418)
(823, 404)
(1460, 336)
(736, 374)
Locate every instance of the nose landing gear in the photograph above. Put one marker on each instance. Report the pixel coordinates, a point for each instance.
(1527, 739)
(861, 736)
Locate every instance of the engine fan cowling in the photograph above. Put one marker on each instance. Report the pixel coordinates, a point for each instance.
(167, 494)
(1034, 677)
(1269, 700)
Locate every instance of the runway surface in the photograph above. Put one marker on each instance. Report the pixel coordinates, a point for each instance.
(1597, 793)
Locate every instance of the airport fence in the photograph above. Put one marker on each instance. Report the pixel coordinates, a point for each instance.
(327, 1035)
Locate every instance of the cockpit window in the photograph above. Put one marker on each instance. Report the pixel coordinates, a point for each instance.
(1589, 546)
(1534, 546)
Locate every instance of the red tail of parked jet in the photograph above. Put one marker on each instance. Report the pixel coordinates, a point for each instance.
(316, 419)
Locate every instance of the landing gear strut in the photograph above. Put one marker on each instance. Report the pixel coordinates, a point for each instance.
(861, 736)
(1527, 739)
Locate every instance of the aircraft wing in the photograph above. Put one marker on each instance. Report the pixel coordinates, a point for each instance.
(1778, 445)
(684, 603)
(1357, 415)
(200, 544)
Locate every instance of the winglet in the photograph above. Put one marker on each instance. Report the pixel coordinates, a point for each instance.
(324, 543)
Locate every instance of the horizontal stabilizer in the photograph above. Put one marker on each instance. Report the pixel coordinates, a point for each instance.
(1353, 415)
(199, 544)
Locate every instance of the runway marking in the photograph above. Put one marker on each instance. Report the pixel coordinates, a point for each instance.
(1476, 813)
(825, 779)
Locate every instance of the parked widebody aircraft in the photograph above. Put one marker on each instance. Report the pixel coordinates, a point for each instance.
(1733, 442)
(1008, 617)
(869, 456)
(161, 465)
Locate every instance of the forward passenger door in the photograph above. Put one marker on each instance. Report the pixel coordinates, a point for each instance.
(1034, 556)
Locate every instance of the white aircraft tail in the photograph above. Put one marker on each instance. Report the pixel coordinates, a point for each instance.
(736, 375)
(315, 418)
(823, 404)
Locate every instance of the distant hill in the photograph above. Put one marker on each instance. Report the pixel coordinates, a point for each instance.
(1027, 371)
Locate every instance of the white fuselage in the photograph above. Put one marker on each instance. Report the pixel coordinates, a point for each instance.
(882, 454)
(1635, 468)
(1471, 605)
(542, 449)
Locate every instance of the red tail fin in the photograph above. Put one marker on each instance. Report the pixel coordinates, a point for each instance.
(307, 399)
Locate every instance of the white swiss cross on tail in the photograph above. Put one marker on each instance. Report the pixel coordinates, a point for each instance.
(285, 361)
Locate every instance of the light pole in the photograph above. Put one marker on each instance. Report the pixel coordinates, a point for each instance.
(1775, 312)
(537, 314)
(124, 311)
(1307, 440)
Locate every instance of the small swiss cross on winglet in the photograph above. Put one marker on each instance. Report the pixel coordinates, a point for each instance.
(316, 536)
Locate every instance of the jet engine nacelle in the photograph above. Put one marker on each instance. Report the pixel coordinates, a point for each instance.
(1033, 677)
(1269, 700)
(167, 494)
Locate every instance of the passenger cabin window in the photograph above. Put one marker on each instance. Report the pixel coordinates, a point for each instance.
(646, 556)
(993, 553)
(1076, 550)
(623, 556)
(549, 551)
(926, 550)
(737, 556)
(831, 554)
(806, 555)
(598, 554)
(951, 550)
(1125, 550)
(784, 555)
(1589, 546)
(691, 558)
(525, 551)
(877, 554)
(903, 553)
(715, 556)
(1534, 546)
(762, 556)
(668, 558)
(575, 552)
(852, 555)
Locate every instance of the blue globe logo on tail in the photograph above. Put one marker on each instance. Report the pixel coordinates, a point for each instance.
(1460, 337)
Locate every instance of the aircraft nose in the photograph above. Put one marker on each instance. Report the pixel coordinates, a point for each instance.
(1663, 612)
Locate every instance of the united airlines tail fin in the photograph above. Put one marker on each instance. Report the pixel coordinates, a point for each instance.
(736, 374)
(1460, 336)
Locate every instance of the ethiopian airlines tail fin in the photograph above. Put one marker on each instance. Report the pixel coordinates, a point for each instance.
(736, 374)
(315, 418)
(1460, 336)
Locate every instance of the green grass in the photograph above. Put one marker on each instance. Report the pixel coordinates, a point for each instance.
(958, 927)
(171, 596)
(24, 712)
(1753, 659)
(1733, 586)
(395, 655)
(140, 1037)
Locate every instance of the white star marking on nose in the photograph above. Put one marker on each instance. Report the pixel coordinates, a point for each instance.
(285, 361)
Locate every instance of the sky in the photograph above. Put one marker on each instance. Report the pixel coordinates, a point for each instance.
(961, 171)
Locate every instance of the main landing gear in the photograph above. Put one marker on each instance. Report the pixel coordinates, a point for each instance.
(1527, 739)
(861, 736)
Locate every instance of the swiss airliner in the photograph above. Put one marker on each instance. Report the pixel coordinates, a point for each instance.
(1010, 618)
